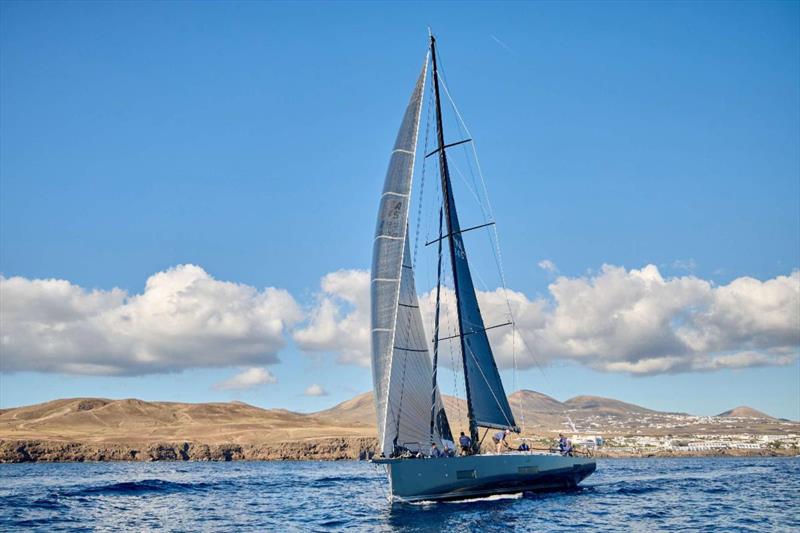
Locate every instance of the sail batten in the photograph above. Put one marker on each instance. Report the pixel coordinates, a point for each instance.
(401, 365)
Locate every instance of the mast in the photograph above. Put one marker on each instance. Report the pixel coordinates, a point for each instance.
(444, 173)
(436, 328)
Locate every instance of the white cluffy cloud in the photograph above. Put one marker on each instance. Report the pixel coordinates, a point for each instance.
(617, 320)
(339, 322)
(248, 379)
(315, 390)
(184, 319)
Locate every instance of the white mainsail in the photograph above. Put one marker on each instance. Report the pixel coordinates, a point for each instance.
(401, 364)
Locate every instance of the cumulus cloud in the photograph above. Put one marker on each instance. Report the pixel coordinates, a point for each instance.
(617, 320)
(248, 379)
(184, 318)
(315, 390)
(547, 265)
(339, 321)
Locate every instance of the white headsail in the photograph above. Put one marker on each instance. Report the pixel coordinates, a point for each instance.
(401, 364)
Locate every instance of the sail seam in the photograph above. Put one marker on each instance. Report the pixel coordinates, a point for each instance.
(383, 427)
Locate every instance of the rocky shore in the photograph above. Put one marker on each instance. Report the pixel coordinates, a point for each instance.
(331, 449)
(101, 429)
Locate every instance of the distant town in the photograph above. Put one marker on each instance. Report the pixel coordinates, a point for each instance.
(682, 433)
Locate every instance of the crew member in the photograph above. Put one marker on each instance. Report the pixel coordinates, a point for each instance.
(499, 439)
(564, 445)
(435, 451)
(465, 443)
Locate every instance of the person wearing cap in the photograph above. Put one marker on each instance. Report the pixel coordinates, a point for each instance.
(499, 439)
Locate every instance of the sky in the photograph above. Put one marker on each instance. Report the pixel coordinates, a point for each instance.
(188, 195)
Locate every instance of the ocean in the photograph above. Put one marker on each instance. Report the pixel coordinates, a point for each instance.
(698, 494)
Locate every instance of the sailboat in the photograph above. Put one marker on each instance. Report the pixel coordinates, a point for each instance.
(410, 412)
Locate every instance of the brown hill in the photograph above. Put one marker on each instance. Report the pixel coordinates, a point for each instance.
(357, 411)
(103, 420)
(535, 402)
(99, 420)
(745, 412)
(604, 406)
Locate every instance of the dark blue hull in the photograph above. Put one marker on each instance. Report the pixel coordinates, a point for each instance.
(456, 478)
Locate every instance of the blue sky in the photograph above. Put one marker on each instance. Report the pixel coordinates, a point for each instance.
(251, 139)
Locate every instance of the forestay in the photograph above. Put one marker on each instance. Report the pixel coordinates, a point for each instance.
(401, 364)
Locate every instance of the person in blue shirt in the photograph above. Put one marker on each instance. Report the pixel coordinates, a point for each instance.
(499, 439)
(466, 444)
(435, 451)
(524, 447)
(448, 448)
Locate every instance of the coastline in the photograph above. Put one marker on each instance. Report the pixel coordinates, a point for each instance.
(320, 449)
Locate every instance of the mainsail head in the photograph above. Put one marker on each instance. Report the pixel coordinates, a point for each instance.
(401, 364)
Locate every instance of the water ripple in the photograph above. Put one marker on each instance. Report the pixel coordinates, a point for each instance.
(623, 495)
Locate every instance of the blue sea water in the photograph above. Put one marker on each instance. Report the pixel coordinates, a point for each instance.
(703, 494)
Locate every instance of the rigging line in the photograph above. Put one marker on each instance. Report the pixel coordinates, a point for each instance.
(480, 279)
(456, 382)
(477, 331)
(431, 212)
(472, 144)
(486, 217)
(471, 190)
(533, 357)
(498, 253)
(544, 375)
(496, 248)
(436, 321)
(421, 189)
(461, 132)
(446, 146)
(497, 401)
(452, 220)
(442, 237)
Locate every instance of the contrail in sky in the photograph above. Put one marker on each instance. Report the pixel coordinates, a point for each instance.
(504, 45)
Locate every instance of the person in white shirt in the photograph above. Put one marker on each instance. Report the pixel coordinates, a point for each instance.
(499, 439)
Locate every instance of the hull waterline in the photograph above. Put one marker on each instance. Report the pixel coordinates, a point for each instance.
(453, 478)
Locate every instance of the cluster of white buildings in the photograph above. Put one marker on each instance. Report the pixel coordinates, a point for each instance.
(743, 441)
